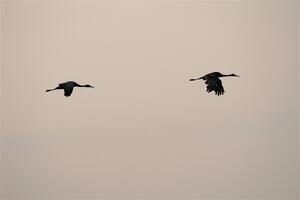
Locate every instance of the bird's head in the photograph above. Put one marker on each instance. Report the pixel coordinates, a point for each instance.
(234, 75)
(87, 85)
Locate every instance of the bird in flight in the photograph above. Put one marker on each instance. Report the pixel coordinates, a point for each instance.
(68, 87)
(213, 82)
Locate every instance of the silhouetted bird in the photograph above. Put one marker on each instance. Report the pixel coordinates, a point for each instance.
(68, 87)
(213, 82)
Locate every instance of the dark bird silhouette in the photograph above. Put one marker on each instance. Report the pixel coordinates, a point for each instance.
(213, 82)
(68, 87)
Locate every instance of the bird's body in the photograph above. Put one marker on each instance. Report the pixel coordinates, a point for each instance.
(213, 82)
(68, 87)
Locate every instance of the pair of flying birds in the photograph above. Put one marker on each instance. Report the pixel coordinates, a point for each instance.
(211, 80)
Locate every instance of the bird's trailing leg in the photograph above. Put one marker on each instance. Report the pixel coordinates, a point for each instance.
(195, 79)
(53, 89)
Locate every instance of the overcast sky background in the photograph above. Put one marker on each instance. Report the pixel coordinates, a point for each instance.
(146, 131)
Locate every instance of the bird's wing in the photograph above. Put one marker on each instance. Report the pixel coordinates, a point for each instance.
(68, 91)
(215, 84)
(62, 85)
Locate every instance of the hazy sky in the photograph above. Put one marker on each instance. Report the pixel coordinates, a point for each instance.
(145, 130)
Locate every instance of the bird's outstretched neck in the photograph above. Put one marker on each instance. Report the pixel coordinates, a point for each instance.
(224, 75)
(87, 85)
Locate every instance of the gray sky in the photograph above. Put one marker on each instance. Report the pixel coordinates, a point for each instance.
(145, 130)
